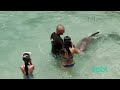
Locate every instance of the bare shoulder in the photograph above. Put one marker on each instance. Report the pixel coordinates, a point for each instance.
(31, 66)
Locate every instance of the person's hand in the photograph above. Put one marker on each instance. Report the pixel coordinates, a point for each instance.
(81, 53)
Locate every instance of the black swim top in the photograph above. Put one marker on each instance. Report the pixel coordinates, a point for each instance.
(66, 58)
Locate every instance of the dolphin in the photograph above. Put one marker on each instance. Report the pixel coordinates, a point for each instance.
(84, 43)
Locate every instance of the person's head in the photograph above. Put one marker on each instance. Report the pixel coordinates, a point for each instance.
(67, 44)
(67, 41)
(60, 29)
(26, 57)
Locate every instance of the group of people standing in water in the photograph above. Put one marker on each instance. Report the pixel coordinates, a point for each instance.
(64, 48)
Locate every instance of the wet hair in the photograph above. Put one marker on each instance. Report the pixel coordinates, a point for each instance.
(67, 41)
(67, 38)
(26, 59)
(67, 44)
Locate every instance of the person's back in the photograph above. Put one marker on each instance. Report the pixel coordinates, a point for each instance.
(28, 68)
(68, 52)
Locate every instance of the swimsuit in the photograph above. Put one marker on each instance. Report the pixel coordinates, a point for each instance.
(67, 60)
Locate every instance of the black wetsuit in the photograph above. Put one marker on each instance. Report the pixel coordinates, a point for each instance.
(57, 43)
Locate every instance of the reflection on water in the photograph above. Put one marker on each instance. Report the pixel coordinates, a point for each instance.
(114, 36)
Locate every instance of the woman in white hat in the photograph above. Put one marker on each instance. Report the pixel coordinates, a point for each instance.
(28, 67)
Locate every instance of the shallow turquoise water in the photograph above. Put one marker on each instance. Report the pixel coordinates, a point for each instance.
(30, 31)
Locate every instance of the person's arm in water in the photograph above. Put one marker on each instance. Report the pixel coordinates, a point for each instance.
(77, 51)
(22, 69)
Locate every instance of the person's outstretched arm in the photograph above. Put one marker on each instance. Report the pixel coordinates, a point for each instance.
(77, 51)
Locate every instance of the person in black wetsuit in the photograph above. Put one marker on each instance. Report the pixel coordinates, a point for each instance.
(56, 40)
